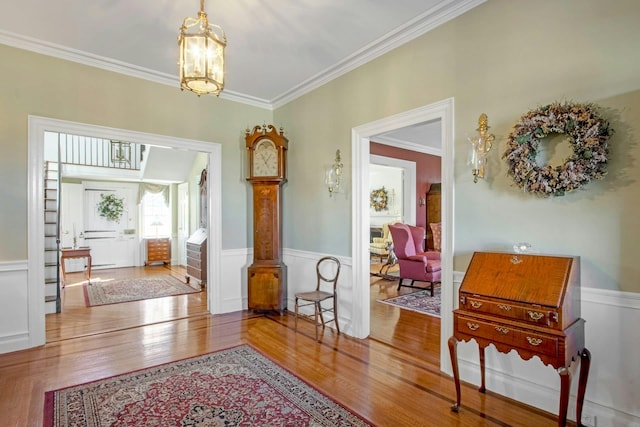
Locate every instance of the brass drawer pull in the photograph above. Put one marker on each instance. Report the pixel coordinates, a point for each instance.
(504, 307)
(472, 326)
(534, 315)
(475, 304)
(534, 341)
(503, 331)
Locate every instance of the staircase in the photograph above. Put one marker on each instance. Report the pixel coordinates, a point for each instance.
(52, 297)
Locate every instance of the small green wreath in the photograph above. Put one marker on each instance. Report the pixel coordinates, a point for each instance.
(111, 207)
(588, 136)
(379, 199)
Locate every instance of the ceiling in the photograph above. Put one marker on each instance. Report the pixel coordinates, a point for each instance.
(277, 50)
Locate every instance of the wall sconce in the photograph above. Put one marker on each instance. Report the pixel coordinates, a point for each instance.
(480, 146)
(422, 201)
(333, 176)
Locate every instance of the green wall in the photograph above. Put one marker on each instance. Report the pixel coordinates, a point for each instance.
(502, 58)
(34, 84)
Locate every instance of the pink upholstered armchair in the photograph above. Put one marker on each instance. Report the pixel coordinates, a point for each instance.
(415, 264)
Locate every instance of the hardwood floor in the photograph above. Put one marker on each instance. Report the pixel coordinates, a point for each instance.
(390, 379)
(78, 320)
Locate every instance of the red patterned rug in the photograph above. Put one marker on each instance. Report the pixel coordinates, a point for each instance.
(234, 387)
(420, 301)
(133, 289)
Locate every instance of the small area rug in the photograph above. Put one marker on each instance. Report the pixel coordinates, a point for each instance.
(133, 289)
(420, 301)
(233, 387)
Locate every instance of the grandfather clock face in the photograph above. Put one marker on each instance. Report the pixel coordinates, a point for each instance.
(265, 158)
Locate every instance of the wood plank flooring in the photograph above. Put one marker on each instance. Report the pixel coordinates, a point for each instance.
(391, 379)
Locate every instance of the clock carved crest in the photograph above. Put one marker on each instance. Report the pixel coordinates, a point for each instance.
(267, 163)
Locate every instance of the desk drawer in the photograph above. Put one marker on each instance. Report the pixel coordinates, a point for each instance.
(507, 334)
(534, 314)
(194, 254)
(195, 263)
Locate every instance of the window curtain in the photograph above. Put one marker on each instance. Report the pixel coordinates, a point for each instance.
(146, 188)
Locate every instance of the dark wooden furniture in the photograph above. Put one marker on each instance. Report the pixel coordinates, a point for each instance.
(527, 303)
(197, 257)
(69, 253)
(267, 275)
(158, 250)
(433, 212)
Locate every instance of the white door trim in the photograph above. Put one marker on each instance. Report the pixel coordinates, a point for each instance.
(35, 204)
(360, 139)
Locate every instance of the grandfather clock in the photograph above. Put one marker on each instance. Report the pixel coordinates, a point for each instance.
(267, 276)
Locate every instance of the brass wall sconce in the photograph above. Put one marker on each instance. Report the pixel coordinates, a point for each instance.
(481, 144)
(333, 176)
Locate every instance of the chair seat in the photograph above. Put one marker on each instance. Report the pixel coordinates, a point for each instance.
(380, 248)
(314, 295)
(433, 266)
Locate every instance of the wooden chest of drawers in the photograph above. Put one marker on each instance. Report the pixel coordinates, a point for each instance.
(527, 303)
(197, 257)
(158, 250)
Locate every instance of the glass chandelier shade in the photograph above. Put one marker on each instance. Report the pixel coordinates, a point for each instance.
(201, 55)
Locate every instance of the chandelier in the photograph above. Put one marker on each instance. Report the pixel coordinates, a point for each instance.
(201, 55)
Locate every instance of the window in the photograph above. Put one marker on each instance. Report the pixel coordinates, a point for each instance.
(156, 216)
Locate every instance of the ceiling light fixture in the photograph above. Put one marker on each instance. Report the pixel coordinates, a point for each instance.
(201, 55)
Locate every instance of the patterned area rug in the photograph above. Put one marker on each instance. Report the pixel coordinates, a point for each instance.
(234, 387)
(134, 289)
(420, 301)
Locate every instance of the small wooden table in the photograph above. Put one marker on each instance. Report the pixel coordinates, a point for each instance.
(70, 253)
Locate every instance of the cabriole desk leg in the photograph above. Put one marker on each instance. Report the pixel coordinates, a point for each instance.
(482, 388)
(585, 363)
(456, 375)
(565, 385)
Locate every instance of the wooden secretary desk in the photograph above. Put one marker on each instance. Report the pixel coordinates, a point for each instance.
(527, 303)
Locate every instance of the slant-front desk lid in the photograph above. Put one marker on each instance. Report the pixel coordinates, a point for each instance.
(198, 237)
(534, 279)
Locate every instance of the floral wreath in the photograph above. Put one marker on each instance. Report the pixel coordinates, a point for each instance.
(111, 207)
(379, 199)
(588, 136)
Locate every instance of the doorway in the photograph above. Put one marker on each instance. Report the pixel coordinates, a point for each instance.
(37, 128)
(361, 135)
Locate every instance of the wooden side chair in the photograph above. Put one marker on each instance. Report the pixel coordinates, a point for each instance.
(327, 272)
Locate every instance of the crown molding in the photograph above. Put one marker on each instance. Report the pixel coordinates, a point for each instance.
(421, 24)
(109, 64)
(418, 26)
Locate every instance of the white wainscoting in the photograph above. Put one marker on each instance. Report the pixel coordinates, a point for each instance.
(14, 306)
(613, 389)
(233, 288)
(301, 276)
